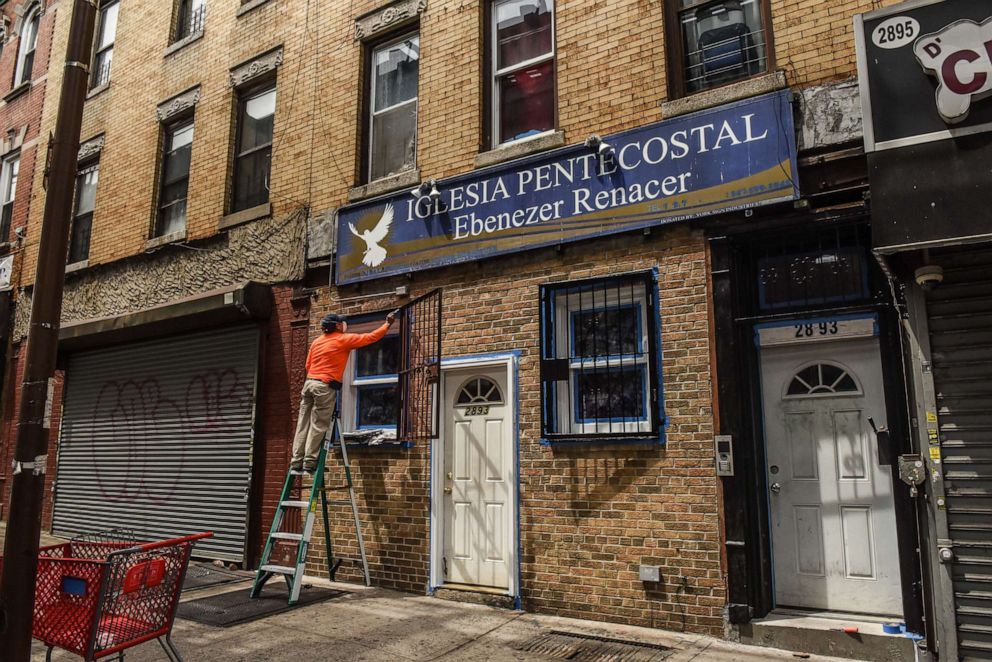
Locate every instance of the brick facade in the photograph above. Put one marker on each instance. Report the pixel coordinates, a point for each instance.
(590, 515)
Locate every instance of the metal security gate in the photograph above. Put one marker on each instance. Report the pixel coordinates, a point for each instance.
(960, 321)
(157, 436)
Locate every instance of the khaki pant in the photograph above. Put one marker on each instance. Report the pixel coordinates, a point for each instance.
(316, 408)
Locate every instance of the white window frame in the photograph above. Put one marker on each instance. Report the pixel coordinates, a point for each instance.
(8, 189)
(30, 28)
(349, 394)
(95, 82)
(565, 307)
(373, 113)
(505, 71)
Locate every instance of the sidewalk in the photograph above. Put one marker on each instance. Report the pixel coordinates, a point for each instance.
(378, 624)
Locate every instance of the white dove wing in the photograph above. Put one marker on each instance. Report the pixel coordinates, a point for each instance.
(382, 227)
(351, 226)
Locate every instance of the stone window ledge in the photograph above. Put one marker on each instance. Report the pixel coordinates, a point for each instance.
(183, 43)
(171, 238)
(245, 216)
(17, 91)
(77, 266)
(248, 6)
(520, 148)
(97, 90)
(718, 96)
(405, 179)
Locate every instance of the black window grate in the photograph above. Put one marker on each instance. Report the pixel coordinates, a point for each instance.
(599, 358)
(420, 368)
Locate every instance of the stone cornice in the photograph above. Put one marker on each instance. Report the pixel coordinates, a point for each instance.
(257, 67)
(178, 104)
(375, 23)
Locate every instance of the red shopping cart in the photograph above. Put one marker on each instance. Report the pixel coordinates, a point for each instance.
(98, 595)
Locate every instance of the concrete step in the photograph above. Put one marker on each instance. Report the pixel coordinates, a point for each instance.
(822, 633)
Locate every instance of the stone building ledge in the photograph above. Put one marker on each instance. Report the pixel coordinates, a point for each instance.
(245, 216)
(183, 43)
(718, 96)
(172, 237)
(405, 179)
(77, 266)
(17, 91)
(248, 6)
(97, 90)
(520, 148)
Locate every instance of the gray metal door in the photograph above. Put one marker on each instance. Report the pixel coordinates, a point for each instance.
(960, 320)
(156, 436)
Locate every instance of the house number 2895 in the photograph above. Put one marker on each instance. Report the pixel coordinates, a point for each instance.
(819, 329)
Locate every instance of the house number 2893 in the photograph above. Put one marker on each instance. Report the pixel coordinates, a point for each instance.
(819, 329)
(478, 410)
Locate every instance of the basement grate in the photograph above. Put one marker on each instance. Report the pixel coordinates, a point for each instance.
(589, 648)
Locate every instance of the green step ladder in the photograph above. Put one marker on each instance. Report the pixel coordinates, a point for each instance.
(294, 574)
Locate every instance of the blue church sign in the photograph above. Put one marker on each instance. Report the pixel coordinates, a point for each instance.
(733, 157)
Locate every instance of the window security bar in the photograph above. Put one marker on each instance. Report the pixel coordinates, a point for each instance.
(599, 376)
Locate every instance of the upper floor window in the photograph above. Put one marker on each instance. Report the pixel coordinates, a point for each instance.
(189, 18)
(175, 178)
(82, 218)
(599, 359)
(253, 151)
(25, 53)
(714, 42)
(8, 188)
(523, 69)
(103, 51)
(392, 122)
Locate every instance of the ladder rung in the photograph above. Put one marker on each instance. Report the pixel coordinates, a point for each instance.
(294, 504)
(285, 535)
(294, 472)
(279, 569)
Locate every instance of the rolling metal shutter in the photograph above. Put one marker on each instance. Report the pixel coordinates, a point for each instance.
(960, 320)
(157, 437)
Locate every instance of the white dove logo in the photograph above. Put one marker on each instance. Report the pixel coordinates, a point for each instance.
(374, 253)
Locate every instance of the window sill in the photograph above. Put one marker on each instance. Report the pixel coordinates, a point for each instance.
(374, 439)
(17, 91)
(182, 43)
(650, 440)
(245, 216)
(717, 96)
(171, 238)
(97, 90)
(405, 179)
(520, 148)
(76, 266)
(248, 6)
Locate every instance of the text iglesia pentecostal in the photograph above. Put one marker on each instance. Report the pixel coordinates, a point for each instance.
(572, 172)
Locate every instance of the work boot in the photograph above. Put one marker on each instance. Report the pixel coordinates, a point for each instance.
(310, 466)
(296, 465)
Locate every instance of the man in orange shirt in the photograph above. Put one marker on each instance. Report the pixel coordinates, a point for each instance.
(326, 362)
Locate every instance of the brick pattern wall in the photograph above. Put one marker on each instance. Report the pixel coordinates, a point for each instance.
(590, 515)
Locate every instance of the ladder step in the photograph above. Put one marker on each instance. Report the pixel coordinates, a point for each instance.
(283, 535)
(294, 504)
(279, 569)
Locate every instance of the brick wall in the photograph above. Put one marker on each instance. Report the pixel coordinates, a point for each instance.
(611, 76)
(589, 515)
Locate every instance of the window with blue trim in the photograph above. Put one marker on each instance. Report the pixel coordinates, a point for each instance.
(599, 359)
(371, 386)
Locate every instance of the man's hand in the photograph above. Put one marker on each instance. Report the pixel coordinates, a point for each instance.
(390, 318)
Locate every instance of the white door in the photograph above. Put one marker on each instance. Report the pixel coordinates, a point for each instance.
(478, 453)
(832, 517)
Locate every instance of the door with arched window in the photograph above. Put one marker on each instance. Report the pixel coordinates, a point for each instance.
(832, 516)
(477, 486)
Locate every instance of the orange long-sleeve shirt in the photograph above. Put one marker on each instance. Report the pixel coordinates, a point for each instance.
(328, 354)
